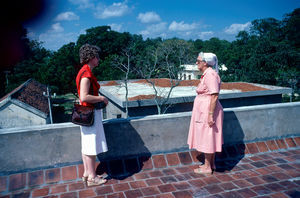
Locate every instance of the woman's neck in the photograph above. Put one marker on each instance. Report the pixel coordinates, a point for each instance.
(90, 66)
(204, 69)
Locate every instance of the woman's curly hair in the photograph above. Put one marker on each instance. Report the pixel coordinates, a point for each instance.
(88, 52)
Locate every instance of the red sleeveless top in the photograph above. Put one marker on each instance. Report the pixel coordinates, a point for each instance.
(85, 72)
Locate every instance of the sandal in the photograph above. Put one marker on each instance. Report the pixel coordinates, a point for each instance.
(199, 171)
(213, 167)
(94, 182)
(84, 179)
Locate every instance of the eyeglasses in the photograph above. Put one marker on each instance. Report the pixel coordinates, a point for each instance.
(199, 61)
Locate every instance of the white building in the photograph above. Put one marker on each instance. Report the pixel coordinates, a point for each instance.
(189, 72)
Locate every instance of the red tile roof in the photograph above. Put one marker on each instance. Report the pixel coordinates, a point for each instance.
(31, 93)
(164, 82)
(142, 97)
(110, 83)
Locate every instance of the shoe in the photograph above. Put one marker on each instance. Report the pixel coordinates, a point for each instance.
(96, 182)
(199, 171)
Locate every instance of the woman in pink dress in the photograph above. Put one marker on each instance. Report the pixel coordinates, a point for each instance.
(205, 134)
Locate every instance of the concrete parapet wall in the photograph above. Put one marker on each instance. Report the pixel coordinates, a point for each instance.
(59, 144)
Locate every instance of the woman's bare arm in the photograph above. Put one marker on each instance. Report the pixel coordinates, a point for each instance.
(213, 103)
(84, 93)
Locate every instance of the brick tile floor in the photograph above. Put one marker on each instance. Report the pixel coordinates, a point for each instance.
(272, 174)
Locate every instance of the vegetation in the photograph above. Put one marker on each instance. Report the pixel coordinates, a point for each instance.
(268, 53)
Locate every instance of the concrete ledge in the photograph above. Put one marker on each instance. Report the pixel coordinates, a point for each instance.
(53, 145)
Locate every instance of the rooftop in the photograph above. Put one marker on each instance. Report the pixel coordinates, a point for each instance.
(141, 90)
(260, 157)
(273, 173)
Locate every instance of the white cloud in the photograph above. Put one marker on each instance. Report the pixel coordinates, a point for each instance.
(82, 31)
(149, 17)
(31, 34)
(115, 10)
(158, 27)
(235, 28)
(188, 33)
(56, 27)
(67, 16)
(181, 26)
(116, 27)
(54, 41)
(163, 35)
(83, 4)
(155, 30)
(144, 33)
(55, 37)
(205, 35)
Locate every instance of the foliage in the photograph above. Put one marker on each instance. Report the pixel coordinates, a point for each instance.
(268, 53)
(164, 60)
(36, 57)
(60, 72)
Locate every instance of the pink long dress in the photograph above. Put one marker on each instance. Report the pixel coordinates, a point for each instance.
(202, 137)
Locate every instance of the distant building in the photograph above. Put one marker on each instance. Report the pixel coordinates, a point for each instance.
(141, 96)
(189, 72)
(25, 106)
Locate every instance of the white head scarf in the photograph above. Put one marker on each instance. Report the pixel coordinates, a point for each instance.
(211, 59)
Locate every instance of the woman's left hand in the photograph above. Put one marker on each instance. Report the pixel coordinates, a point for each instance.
(211, 121)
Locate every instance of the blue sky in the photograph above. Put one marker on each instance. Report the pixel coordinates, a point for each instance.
(64, 20)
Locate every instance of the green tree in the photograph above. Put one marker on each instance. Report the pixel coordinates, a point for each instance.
(36, 58)
(60, 72)
(265, 54)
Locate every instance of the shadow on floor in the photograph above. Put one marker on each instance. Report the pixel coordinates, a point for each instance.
(228, 158)
(127, 152)
(122, 168)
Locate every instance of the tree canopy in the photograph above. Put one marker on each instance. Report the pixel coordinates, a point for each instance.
(268, 53)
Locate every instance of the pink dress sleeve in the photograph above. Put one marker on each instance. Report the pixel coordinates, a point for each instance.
(212, 82)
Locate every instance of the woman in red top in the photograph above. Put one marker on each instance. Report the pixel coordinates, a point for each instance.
(93, 139)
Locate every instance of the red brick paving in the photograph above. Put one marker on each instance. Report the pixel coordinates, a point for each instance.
(159, 161)
(172, 159)
(272, 145)
(290, 142)
(3, 184)
(262, 147)
(252, 148)
(264, 172)
(52, 175)
(17, 181)
(281, 144)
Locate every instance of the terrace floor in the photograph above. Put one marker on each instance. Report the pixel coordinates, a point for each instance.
(263, 174)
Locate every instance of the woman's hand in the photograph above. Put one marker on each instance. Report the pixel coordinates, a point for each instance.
(211, 121)
(104, 99)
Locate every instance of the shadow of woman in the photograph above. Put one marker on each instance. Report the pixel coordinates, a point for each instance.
(126, 154)
(234, 147)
